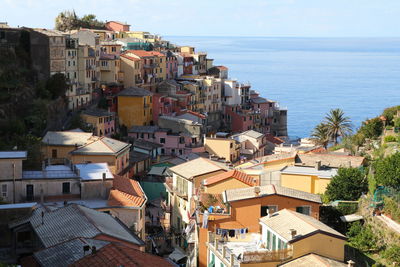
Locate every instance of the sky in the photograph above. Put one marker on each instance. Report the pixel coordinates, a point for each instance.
(276, 18)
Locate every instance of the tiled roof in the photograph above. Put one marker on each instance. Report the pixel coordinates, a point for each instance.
(126, 193)
(116, 254)
(135, 156)
(66, 138)
(135, 91)
(141, 143)
(250, 133)
(60, 225)
(98, 112)
(201, 116)
(118, 22)
(67, 253)
(221, 67)
(102, 146)
(322, 173)
(330, 160)
(259, 100)
(144, 129)
(130, 58)
(274, 139)
(195, 167)
(156, 53)
(313, 260)
(284, 220)
(13, 154)
(140, 53)
(241, 176)
(249, 192)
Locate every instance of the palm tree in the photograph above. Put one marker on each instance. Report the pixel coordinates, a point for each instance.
(338, 124)
(320, 135)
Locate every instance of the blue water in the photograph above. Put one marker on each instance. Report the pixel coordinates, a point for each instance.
(310, 76)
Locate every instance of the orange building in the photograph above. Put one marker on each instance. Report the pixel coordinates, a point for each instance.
(228, 180)
(248, 205)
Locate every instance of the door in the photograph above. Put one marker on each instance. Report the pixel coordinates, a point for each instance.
(29, 192)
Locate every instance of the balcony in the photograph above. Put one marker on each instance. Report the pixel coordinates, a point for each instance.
(249, 253)
(173, 189)
(151, 66)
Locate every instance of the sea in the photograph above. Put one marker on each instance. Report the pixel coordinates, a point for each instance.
(311, 76)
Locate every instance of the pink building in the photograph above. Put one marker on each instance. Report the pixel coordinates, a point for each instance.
(173, 144)
(117, 26)
(172, 66)
(240, 120)
(164, 105)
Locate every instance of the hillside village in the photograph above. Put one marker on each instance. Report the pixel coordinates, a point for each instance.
(145, 153)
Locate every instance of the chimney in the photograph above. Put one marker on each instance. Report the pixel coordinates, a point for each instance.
(318, 165)
(86, 248)
(293, 233)
(94, 250)
(351, 263)
(104, 176)
(257, 190)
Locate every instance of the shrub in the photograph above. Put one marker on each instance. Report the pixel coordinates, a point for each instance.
(392, 207)
(363, 238)
(348, 184)
(392, 254)
(390, 138)
(387, 171)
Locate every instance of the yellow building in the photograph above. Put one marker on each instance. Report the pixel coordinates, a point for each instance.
(285, 236)
(146, 36)
(110, 69)
(161, 62)
(135, 107)
(113, 152)
(102, 121)
(228, 180)
(308, 179)
(58, 145)
(187, 49)
(131, 69)
(225, 148)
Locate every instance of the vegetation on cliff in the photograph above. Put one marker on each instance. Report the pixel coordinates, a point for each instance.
(68, 20)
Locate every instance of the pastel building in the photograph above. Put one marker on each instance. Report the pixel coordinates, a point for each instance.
(117, 26)
(102, 121)
(224, 148)
(172, 144)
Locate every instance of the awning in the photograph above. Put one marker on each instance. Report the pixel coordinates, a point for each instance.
(177, 255)
(351, 218)
(157, 171)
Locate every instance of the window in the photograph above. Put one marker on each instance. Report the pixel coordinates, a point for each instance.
(162, 151)
(162, 140)
(181, 140)
(271, 208)
(142, 135)
(4, 191)
(304, 210)
(180, 152)
(29, 192)
(66, 188)
(268, 239)
(273, 242)
(54, 153)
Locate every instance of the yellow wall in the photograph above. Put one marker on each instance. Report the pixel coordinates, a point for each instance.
(162, 70)
(62, 151)
(131, 111)
(226, 184)
(320, 244)
(306, 183)
(131, 70)
(278, 164)
(187, 49)
(221, 147)
(94, 121)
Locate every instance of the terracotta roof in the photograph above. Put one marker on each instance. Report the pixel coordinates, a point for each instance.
(274, 139)
(156, 53)
(118, 22)
(116, 254)
(284, 220)
(238, 175)
(195, 114)
(126, 193)
(222, 67)
(130, 58)
(249, 192)
(140, 53)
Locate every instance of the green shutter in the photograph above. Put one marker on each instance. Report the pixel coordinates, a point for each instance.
(268, 239)
(273, 242)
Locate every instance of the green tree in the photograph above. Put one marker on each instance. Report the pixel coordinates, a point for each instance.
(320, 135)
(67, 20)
(348, 184)
(57, 85)
(362, 237)
(372, 128)
(387, 171)
(338, 124)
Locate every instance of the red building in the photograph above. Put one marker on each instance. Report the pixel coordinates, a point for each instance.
(117, 26)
